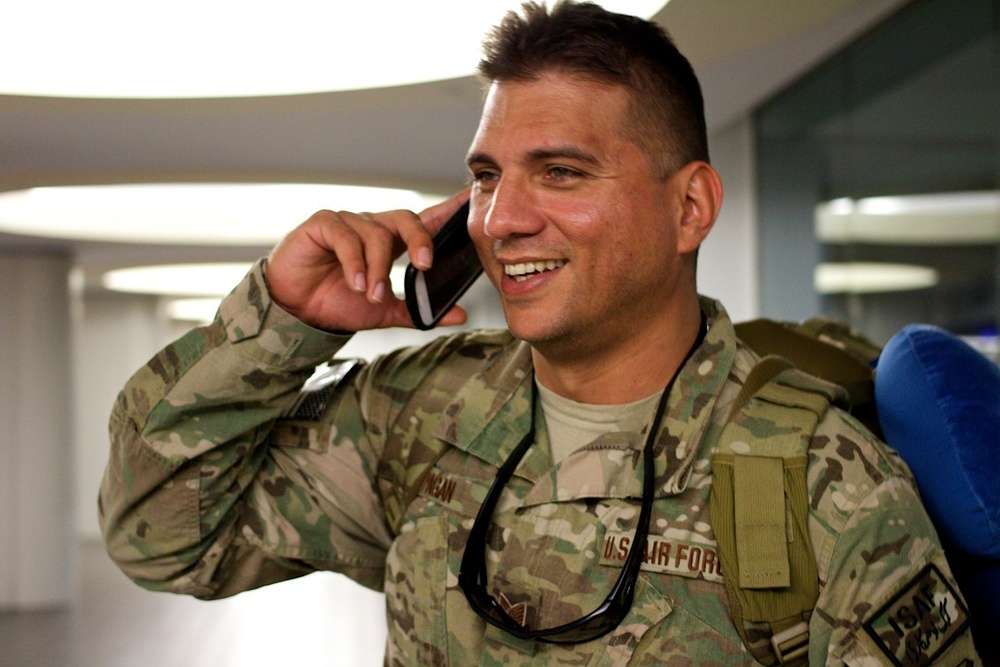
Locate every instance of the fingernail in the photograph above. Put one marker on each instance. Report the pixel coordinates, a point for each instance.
(424, 258)
(359, 282)
(379, 293)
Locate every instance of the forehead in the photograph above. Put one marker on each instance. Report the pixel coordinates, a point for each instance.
(554, 107)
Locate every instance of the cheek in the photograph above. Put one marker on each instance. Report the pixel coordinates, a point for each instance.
(586, 225)
(642, 244)
(623, 233)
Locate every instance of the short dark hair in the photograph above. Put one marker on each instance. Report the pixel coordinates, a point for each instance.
(666, 111)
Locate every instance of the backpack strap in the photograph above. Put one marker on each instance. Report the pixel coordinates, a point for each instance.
(760, 509)
(824, 348)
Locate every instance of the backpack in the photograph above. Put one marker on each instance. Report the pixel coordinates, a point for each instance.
(827, 349)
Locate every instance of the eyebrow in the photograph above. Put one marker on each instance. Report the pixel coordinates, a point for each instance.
(540, 154)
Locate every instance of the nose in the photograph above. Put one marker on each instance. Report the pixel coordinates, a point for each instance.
(510, 213)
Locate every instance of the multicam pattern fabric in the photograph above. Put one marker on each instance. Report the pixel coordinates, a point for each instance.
(210, 492)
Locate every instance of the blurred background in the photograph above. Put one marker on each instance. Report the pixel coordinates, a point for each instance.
(149, 153)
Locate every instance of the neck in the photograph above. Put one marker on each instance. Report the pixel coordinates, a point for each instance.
(638, 367)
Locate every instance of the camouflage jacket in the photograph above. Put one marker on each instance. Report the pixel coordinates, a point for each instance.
(211, 490)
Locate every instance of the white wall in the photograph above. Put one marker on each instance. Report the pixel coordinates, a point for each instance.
(727, 264)
(36, 456)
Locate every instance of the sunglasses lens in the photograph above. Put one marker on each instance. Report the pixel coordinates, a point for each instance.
(601, 621)
(590, 628)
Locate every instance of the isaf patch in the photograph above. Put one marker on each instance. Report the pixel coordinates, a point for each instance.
(920, 621)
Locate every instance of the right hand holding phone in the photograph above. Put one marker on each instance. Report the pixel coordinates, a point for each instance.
(332, 271)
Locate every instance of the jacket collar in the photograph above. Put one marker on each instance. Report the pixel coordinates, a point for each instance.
(490, 414)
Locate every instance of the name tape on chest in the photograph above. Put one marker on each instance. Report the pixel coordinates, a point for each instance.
(439, 487)
(920, 621)
(679, 557)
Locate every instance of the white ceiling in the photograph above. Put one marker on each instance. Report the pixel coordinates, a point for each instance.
(412, 136)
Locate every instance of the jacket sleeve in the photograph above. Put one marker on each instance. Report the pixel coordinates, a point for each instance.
(201, 496)
(887, 594)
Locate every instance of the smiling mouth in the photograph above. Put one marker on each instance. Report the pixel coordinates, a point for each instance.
(521, 272)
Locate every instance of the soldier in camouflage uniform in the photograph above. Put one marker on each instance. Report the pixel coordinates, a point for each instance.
(587, 211)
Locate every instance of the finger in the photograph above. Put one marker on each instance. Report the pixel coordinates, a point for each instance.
(454, 317)
(398, 315)
(338, 236)
(379, 253)
(415, 237)
(432, 219)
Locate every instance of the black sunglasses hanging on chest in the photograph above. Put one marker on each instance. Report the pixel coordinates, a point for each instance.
(610, 613)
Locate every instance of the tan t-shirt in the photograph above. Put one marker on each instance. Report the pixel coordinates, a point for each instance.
(572, 425)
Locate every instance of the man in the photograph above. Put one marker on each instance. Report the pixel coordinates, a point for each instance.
(591, 194)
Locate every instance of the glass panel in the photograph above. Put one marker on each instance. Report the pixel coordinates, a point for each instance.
(911, 108)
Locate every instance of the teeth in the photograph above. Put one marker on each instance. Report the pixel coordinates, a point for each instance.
(522, 271)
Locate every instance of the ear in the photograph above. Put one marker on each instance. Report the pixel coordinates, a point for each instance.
(701, 188)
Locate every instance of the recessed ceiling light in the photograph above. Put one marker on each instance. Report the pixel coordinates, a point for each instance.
(200, 311)
(925, 219)
(187, 280)
(871, 278)
(198, 282)
(202, 214)
(192, 48)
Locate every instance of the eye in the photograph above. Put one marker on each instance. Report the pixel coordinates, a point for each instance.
(561, 173)
(484, 178)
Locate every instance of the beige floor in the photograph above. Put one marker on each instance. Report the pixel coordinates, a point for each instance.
(321, 619)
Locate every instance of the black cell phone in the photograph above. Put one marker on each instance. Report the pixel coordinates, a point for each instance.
(430, 294)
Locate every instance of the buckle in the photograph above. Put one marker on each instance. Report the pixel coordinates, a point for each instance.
(792, 645)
